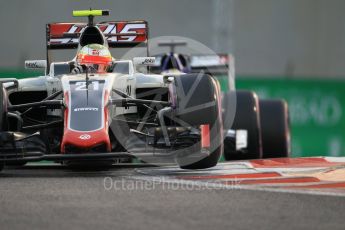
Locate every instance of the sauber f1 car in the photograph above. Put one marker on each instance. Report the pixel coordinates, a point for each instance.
(259, 127)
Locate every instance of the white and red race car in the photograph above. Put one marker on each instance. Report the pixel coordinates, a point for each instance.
(91, 117)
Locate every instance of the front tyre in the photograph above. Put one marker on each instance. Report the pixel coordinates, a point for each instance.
(198, 105)
(247, 117)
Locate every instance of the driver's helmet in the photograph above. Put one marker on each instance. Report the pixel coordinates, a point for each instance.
(96, 57)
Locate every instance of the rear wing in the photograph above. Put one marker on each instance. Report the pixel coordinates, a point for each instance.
(210, 63)
(216, 64)
(117, 33)
(221, 66)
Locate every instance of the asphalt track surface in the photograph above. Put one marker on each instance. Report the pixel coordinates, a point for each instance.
(54, 197)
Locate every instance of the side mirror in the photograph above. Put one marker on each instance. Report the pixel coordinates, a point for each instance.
(35, 64)
(144, 61)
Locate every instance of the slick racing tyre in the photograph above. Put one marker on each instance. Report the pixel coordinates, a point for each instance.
(247, 117)
(3, 116)
(198, 105)
(228, 109)
(275, 129)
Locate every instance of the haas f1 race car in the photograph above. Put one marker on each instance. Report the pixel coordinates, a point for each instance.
(97, 109)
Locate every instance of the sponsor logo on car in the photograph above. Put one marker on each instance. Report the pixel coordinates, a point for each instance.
(84, 137)
(114, 32)
(85, 109)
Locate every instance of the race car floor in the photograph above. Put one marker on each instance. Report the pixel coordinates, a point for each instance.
(139, 197)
